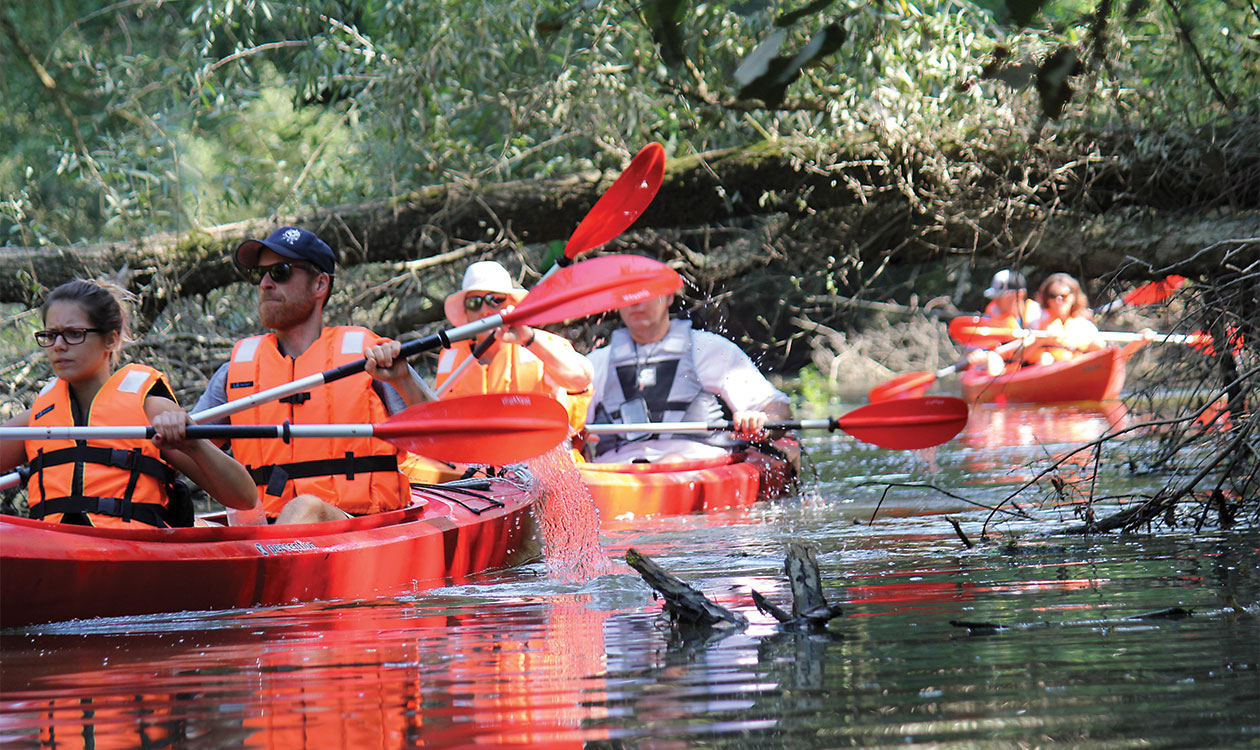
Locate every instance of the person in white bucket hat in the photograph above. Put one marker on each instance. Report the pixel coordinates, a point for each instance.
(522, 359)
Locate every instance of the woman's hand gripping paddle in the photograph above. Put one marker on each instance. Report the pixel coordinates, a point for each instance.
(903, 424)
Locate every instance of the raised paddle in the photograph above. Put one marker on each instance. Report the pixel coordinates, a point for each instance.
(592, 286)
(902, 424)
(915, 384)
(619, 207)
(497, 428)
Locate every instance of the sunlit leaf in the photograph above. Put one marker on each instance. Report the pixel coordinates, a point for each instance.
(771, 86)
(758, 60)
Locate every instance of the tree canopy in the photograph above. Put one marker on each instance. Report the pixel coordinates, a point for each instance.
(149, 116)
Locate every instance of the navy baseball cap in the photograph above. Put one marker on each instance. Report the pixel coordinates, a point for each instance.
(291, 242)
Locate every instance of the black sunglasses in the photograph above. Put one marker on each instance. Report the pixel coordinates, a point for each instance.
(472, 303)
(72, 336)
(279, 272)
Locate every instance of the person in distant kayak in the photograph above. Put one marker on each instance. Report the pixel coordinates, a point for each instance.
(111, 482)
(659, 369)
(522, 359)
(1009, 308)
(313, 479)
(1066, 315)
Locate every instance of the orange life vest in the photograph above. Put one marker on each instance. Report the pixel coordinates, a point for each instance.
(1047, 351)
(357, 474)
(114, 482)
(1028, 319)
(513, 369)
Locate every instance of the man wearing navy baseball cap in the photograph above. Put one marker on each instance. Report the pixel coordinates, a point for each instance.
(293, 243)
(313, 479)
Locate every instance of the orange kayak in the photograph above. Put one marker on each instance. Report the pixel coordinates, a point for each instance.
(55, 572)
(1096, 376)
(736, 480)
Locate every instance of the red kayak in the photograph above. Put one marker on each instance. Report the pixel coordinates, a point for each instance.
(56, 572)
(635, 490)
(1097, 376)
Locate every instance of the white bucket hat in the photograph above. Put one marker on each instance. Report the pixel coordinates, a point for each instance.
(482, 276)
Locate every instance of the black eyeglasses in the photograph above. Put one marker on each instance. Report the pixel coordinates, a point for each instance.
(472, 303)
(71, 336)
(279, 272)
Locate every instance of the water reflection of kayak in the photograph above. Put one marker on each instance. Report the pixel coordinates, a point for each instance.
(58, 572)
(992, 426)
(372, 677)
(1096, 376)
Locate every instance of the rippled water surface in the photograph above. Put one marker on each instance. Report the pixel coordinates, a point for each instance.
(1091, 652)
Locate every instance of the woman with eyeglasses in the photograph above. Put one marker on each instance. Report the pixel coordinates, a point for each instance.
(1066, 315)
(103, 482)
(521, 359)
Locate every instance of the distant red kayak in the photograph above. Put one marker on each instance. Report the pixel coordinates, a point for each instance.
(677, 488)
(56, 572)
(1097, 376)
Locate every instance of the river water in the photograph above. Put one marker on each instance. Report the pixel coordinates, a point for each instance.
(1147, 640)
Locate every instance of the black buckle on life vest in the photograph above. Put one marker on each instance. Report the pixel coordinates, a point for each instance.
(296, 399)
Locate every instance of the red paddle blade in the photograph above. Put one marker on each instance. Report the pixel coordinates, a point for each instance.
(495, 429)
(908, 423)
(910, 385)
(622, 204)
(972, 331)
(594, 286)
(1154, 292)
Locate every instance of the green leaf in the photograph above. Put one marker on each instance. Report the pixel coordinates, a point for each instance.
(663, 17)
(1053, 80)
(1023, 11)
(791, 17)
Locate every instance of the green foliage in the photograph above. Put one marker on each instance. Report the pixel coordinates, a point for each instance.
(133, 118)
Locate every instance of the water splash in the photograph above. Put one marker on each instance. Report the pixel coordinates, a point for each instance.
(568, 519)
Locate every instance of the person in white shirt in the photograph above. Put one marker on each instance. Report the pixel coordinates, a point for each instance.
(661, 370)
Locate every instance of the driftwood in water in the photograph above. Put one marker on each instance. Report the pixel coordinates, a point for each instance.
(810, 610)
(684, 604)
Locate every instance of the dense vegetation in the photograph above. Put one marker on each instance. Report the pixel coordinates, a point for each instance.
(826, 157)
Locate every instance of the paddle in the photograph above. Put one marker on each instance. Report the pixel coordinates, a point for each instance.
(619, 207)
(1150, 293)
(592, 286)
(903, 424)
(492, 429)
(971, 331)
(915, 384)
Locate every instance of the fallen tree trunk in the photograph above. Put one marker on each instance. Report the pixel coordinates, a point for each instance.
(862, 205)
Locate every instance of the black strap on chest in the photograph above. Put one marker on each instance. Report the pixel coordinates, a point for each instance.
(275, 476)
(119, 507)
